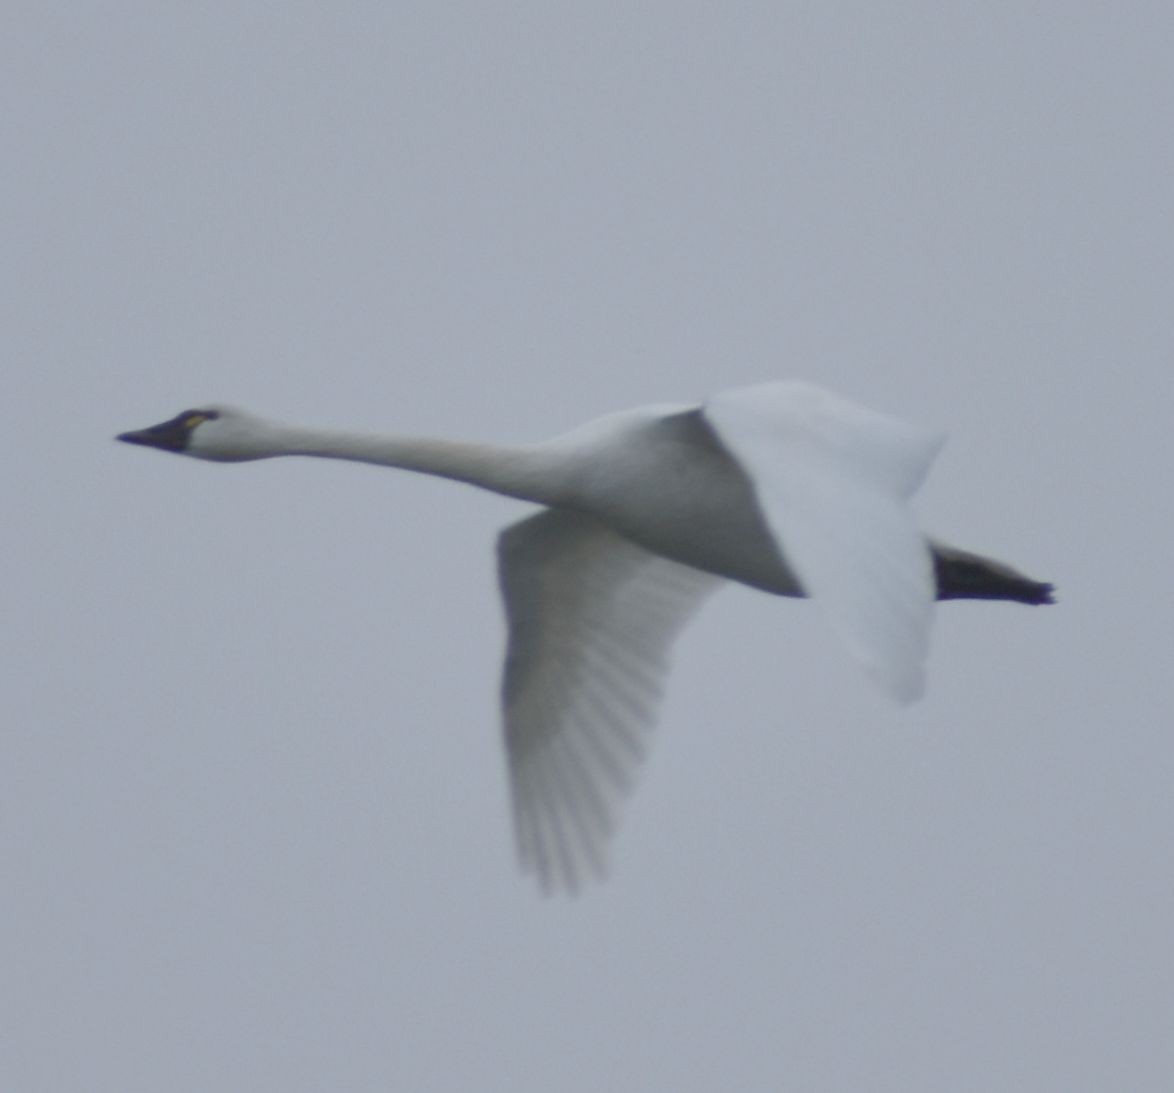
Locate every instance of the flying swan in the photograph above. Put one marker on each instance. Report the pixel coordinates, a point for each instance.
(781, 486)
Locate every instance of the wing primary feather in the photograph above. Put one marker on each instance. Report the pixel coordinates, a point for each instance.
(591, 620)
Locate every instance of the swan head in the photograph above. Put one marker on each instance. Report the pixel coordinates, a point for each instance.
(223, 434)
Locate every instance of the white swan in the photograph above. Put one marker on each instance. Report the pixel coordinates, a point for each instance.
(782, 486)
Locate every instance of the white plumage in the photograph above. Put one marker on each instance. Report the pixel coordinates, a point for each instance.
(782, 486)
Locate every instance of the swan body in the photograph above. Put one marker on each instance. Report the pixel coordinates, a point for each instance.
(782, 486)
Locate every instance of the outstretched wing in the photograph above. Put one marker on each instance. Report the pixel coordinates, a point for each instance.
(833, 480)
(591, 619)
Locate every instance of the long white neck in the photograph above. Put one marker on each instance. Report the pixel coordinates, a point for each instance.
(532, 473)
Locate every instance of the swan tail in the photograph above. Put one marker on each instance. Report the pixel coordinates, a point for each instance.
(965, 576)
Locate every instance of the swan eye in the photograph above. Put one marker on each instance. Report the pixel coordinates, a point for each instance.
(189, 420)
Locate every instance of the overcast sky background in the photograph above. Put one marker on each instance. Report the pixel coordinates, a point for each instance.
(254, 831)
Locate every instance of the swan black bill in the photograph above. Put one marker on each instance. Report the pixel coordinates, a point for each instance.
(169, 436)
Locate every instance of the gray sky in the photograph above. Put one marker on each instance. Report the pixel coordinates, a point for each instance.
(253, 821)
